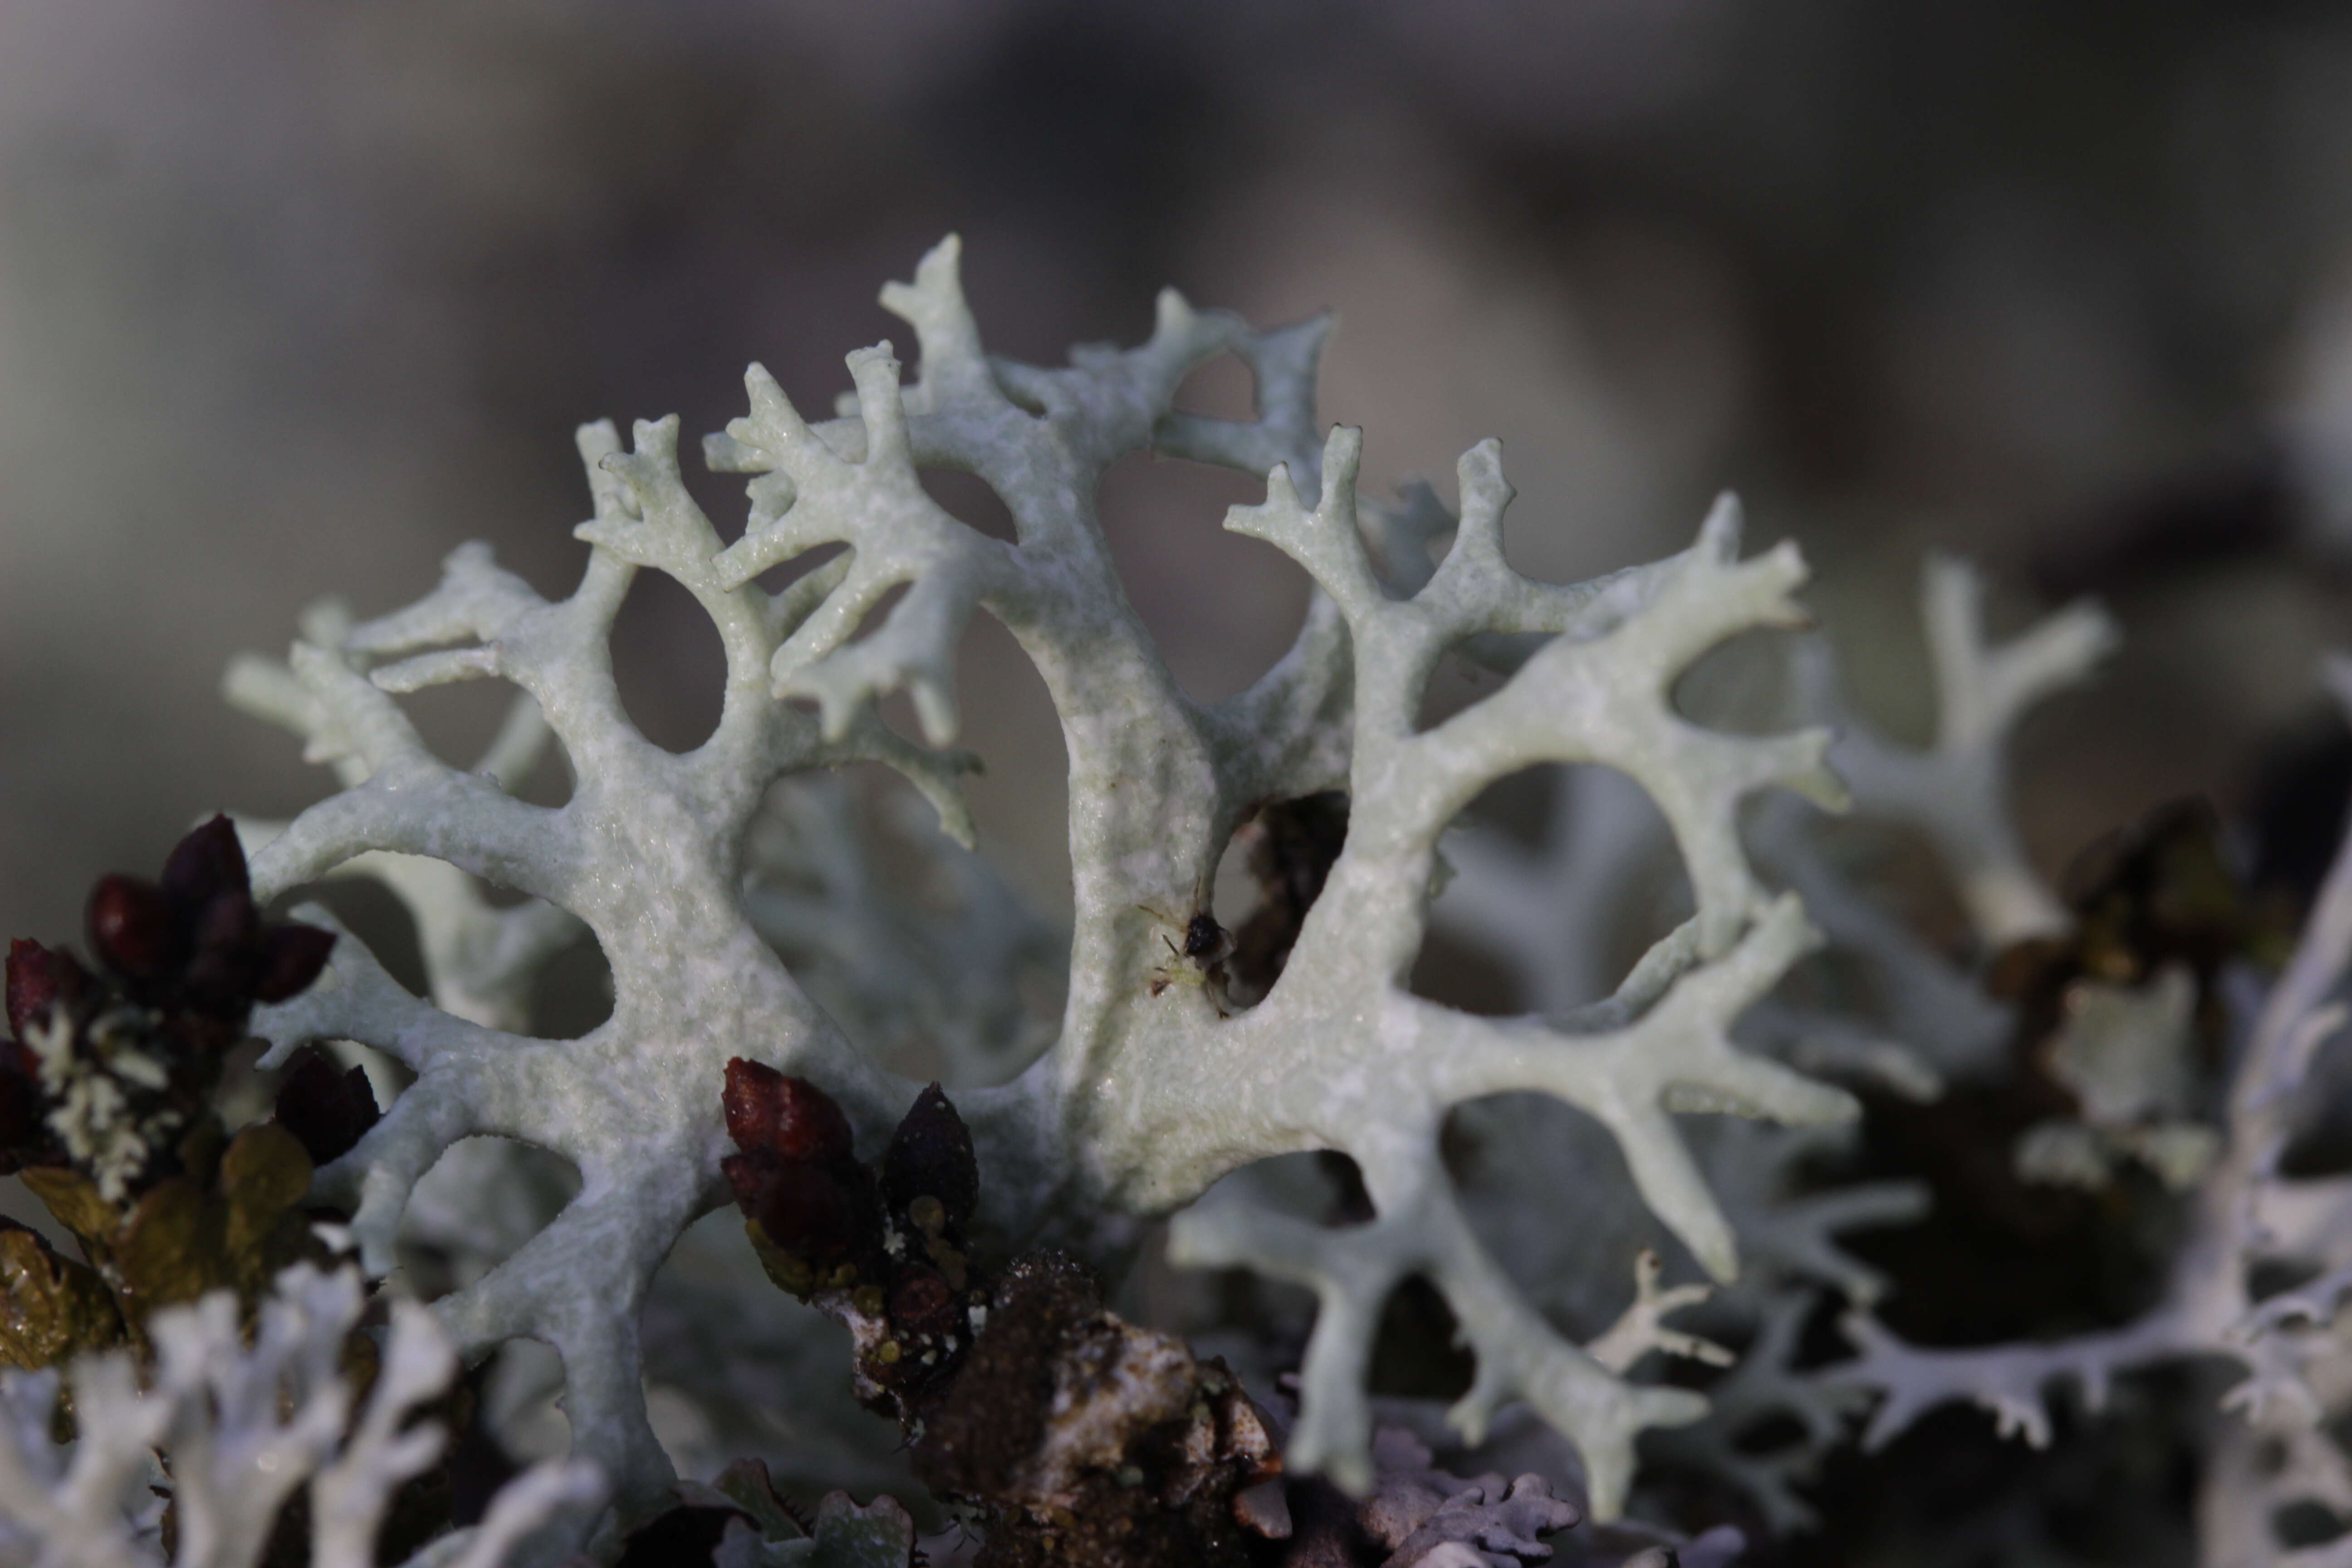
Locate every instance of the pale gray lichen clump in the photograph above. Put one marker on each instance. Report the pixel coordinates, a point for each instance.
(1956, 790)
(248, 1425)
(1918, 1022)
(2286, 1350)
(1150, 1092)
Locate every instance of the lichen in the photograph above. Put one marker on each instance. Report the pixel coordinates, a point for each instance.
(248, 1427)
(1150, 1092)
(2246, 1214)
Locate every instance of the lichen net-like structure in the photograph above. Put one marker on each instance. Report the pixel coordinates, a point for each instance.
(1900, 1016)
(1150, 1092)
(251, 1416)
(2273, 1444)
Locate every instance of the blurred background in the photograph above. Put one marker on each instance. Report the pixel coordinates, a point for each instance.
(294, 299)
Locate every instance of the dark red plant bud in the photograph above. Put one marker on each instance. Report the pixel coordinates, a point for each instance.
(132, 929)
(202, 866)
(931, 1153)
(327, 1112)
(226, 960)
(748, 1098)
(923, 1303)
(292, 954)
(748, 1176)
(229, 927)
(790, 1117)
(37, 978)
(820, 1214)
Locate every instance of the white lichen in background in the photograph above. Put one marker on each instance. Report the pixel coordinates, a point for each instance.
(2246, 1216)
(1879, 1007)
(2127, 1054)
(1956, 790)
(246, 1427)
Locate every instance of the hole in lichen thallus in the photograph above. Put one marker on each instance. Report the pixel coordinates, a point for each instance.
(571, 993)
(374, 914)
(970, 500)
(480, 1203)
(1198, 1302)
(1021, 800)
(668, 664)
(475, 724)
(1462, 677)
(1270, 873)
(785, 574)
(1553, 883)
(1218, 388)
(920, 950)
(1509, 1155)
(1416, 1351)
(1220, 607)
(561, 997)
(1740, 685)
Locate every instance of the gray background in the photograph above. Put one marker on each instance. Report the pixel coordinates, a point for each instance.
(294, 298)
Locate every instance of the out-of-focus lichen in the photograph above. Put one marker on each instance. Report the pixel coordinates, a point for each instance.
(1881, 1009)
(1956, 790)
(249, 1428)
(2246, 1215)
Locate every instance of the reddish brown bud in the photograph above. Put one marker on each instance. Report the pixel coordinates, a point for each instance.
(788, 1117)
(820, 1214)
(749, 1099)
(746, 1177)
(229, 927)
(132, 929)
(37, 978)
(292, 954)
(922, 1304)
(931, 1153)
(327, 1112)
(204, 865)
(220, 974)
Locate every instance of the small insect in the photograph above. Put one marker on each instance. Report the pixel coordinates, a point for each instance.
(1200, 959)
